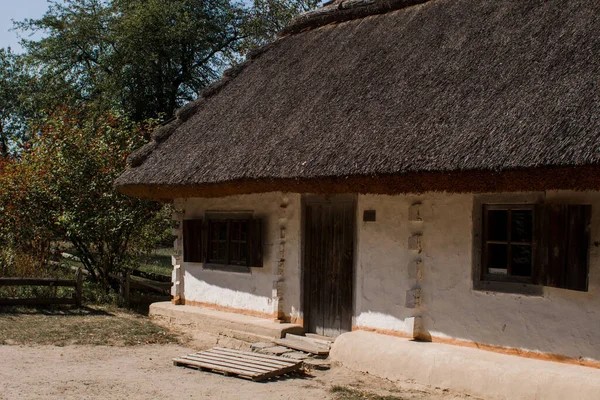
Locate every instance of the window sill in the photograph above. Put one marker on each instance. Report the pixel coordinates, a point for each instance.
(525, 289)
(241, 269)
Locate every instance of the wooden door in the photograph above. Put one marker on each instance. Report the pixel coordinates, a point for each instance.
(328, 264)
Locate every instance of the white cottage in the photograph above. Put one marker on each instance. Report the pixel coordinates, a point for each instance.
(422, 169)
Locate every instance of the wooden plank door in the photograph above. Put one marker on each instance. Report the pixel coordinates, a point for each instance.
(328, 264)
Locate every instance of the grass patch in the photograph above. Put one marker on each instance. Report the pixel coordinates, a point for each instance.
(63, 326)
(157, 262)
(346, 393)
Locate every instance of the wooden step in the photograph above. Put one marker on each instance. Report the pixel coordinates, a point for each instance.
(316, 339)
(304, 345)
(320, 338)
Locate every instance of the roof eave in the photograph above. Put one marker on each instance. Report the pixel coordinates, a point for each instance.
(578, 178)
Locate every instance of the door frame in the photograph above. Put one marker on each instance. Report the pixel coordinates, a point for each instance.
(304, 299)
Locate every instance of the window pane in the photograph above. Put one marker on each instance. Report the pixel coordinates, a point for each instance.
(223, 231)
(497, 225)
(234, 252)
(217, 246)
(497, 258)
(235, 230)
(521, 260)
(243, 253)
(237, 246)
(243, 230)
(521, 226)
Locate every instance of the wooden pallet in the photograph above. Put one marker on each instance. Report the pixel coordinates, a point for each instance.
(257, 367)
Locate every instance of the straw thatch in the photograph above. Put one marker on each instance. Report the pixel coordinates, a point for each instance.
(472, 89)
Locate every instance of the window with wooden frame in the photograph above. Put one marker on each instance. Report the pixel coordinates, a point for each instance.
(508, 248)
(535, 244)
(223, 241)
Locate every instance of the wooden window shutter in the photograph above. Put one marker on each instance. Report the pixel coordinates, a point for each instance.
(563, 246)
(204, 241)
(192, 240)
(578, 234)
(255, 250)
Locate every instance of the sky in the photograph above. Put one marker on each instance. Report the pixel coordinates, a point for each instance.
(17, 10)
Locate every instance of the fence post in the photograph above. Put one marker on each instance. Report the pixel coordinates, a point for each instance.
(127, 284)
(78, 286)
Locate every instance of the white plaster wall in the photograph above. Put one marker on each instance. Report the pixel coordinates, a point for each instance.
(382, 260)
(255, 290)
(561, 321)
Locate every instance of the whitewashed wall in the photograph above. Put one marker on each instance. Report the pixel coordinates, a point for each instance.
(260, 289)
(561, 321)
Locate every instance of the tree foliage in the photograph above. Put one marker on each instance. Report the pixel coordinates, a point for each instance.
(62, 189)
(147, 57)
(265, 18)
(16, 109)
(110, 69)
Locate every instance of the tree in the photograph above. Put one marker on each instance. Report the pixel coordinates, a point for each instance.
(265, 18)
(106, 66)
(144, 57)
(62, 189)
(147, 57)
(14, 106)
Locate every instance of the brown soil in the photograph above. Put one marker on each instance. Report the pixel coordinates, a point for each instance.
(146, 372)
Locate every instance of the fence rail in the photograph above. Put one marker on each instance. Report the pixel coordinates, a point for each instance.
(76, 283)
(161, 290)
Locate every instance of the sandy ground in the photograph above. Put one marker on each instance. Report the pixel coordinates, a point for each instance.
(146, 372)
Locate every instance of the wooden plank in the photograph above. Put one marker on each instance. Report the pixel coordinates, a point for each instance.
(126, 285)
(230, 360)
(319, 338)
(184, 361)
(257, 367)
(37, 302)
(239, 361)
(151, 276)
(71, 267)
(347, 272)
(148, 299)
(310, 340)
(554, 241)
(203, 358)
(78, 286)
(265, 356)
(578, 232)
(248, 360)
(37, 282)
(160, 287)
(256, 358)
(328, 264)
(303, 346)
(192, 240)
(279, 372)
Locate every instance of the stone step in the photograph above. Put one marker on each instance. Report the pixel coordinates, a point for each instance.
(238, 326)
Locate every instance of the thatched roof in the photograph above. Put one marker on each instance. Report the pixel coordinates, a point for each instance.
(446, 88)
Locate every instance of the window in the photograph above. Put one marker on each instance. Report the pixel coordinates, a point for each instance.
(228, 241)
(527, 245)
(508, 242)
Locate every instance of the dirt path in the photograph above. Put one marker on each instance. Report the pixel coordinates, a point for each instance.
(146, 372)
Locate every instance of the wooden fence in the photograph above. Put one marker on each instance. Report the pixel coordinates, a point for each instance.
(135, 286)
(75, 299)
